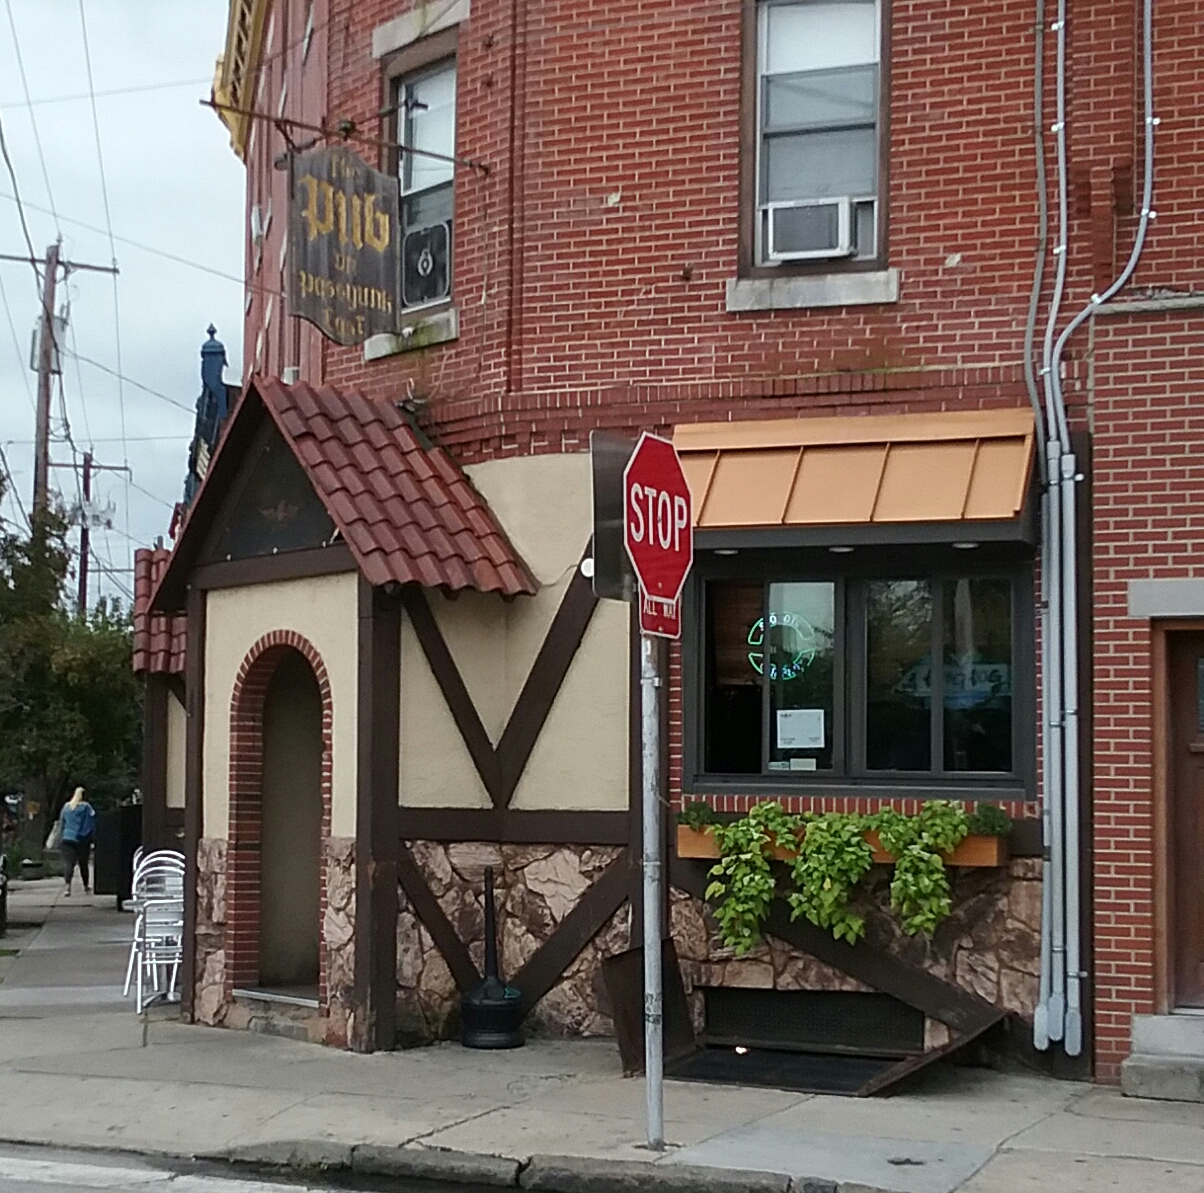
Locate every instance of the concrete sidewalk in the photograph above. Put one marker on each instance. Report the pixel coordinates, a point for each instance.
(78, 1069)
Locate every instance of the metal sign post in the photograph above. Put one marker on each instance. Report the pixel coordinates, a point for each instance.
(659, 537)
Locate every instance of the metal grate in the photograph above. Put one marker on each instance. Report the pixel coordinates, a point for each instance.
(823, 1021)
(812, 1074)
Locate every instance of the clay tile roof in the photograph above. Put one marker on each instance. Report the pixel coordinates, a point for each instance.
(158, 637)
(404, 507)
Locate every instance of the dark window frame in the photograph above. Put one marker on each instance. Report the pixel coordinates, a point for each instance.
(1010, 561)
(422, 57)
(746, 260)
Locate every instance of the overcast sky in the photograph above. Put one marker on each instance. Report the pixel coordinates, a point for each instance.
(173, 186)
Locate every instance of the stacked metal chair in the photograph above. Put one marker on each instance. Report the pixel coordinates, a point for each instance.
(157, 948)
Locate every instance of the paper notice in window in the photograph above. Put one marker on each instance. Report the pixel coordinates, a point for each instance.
(800, 728)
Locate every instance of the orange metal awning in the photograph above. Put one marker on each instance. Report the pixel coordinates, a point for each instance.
(964, 466)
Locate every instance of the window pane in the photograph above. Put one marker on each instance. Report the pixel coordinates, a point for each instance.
(822, 99)
(733, 685)
(978, 675)
(898, 704)
(820, 165)
(429, 123)
(814, 35)
(798, 645)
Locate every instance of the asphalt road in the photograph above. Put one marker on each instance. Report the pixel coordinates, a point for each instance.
(42, 1170)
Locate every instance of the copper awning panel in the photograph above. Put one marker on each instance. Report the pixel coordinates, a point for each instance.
(964, 466)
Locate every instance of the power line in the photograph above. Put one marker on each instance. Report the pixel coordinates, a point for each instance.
(171, 505)
(37, 139)
(12, 327)
(67, 99)
(117, 439)
(13, 492)
(136, 384)
(148, 248)
(104, 192)
(16, 198)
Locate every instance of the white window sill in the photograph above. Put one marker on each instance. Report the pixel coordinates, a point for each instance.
(425, 18)
(797, 293)
(423, 331)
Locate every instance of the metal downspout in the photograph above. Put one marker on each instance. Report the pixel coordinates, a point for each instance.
(1040, 1017)
(1051, 581)
(1068, 480)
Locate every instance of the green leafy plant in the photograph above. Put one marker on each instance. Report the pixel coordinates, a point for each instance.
(696, 815)
(919, 889)
(833, 857)
(742, 883)
(990, 820)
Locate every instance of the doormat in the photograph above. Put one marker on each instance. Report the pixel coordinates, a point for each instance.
(803, 1072)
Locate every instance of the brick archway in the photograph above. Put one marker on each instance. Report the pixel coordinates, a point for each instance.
(246, 798)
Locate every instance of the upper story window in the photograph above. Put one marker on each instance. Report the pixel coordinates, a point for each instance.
(426, 120)
(818, 114)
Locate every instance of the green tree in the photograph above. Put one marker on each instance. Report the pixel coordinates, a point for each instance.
(70, 704)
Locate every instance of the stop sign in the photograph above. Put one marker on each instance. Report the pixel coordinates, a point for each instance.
(658, 531)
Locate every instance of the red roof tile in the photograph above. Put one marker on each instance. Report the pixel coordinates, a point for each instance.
(158, 638)
(371, 451)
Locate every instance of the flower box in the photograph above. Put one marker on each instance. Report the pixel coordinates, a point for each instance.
(973, 851)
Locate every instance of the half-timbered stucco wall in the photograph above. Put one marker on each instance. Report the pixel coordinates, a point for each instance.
(323, 611)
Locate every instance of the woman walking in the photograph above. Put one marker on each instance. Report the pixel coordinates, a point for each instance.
(78, 822)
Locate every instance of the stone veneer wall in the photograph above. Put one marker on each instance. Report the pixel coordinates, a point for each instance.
(535, 888)
(989, 945)
(214, 1003)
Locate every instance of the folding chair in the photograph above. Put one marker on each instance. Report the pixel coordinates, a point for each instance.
(157, 876)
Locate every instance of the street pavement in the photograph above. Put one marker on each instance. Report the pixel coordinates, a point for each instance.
(79, 1070)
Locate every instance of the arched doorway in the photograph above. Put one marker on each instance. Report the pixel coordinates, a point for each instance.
(291, 827)
(280, 774)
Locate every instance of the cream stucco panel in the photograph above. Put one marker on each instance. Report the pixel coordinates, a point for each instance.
(322, 610)
(495, 643)
(435, 768)
(580, 759)
(545, 505)
(177, 733)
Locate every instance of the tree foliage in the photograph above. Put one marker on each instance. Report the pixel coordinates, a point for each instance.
(70, 704)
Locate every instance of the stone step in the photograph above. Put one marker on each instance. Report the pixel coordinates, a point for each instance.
(1180, 1034)
(1170, 1078)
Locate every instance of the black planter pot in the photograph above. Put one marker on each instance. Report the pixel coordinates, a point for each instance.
(491, 1014)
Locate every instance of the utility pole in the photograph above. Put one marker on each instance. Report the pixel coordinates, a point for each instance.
(46, 346)
(83, 538)
(49, 354)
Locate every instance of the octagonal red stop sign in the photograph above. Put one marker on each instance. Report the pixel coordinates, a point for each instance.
(658, 531)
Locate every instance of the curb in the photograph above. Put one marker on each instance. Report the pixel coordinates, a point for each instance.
(475, 1171)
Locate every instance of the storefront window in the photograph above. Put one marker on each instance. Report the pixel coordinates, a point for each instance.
(823, 679)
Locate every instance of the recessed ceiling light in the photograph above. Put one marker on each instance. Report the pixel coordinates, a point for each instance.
(841, 550)
(741, 1050)
(965, 546)
(726, 551)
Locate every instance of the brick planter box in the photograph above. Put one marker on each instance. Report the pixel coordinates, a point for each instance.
(973, 851)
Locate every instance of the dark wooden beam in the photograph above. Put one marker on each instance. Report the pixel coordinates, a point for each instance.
(459, 702)
(193, 789)
(427, 908)
(957, 1008)
(546, 967)
(378, 730)
(266, 569)
(544, 682)
(513, 826)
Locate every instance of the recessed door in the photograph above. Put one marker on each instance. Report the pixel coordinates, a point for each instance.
(290, 849)
(1186, 851)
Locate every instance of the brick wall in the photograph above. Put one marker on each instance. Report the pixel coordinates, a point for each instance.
(592, 261)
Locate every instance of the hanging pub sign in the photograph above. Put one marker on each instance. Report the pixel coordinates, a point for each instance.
(344, 246)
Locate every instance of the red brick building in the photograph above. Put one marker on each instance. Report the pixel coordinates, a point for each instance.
(801, 238)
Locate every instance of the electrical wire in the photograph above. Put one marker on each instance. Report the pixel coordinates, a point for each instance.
(136, 384)
(13, 492)
(104, 193)
(37, 138)
(16, 198)
(12, 327)
(67, 99)
(171, 505)
(148, 248)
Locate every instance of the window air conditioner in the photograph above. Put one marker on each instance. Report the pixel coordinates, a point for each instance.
(426, 265)
(809, 229)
